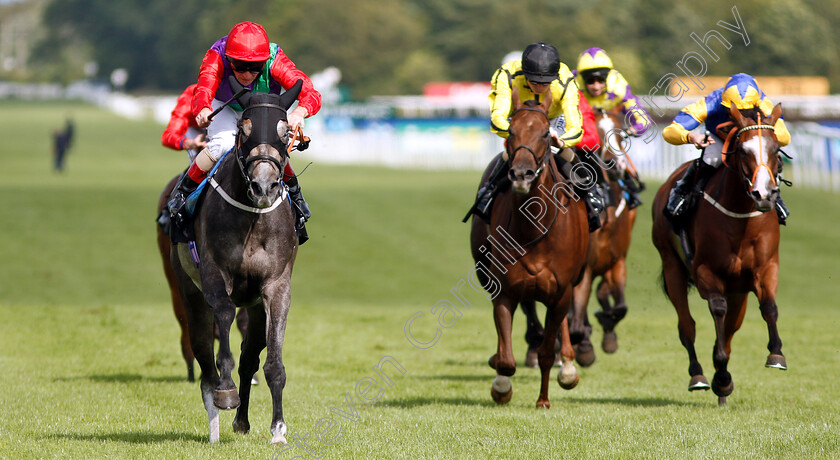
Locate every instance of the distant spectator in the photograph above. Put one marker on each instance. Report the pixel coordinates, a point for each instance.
(61, 144)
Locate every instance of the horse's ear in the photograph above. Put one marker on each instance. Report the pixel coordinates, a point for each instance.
(740, 120)
(245, 98)
(514, 93)
(546, 104)
(291, 95)
(775, 114)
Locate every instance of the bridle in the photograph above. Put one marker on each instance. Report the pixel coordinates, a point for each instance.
(265, 134)
(546, 154)
(736, 136)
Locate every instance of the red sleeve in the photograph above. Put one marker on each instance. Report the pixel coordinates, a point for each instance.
(180, 120)
(590, 141)
(209, 76)
(287, 74)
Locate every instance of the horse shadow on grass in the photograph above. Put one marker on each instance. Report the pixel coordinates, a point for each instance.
(122, 378)
(131, 437)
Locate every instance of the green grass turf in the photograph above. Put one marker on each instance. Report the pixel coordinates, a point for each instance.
(90, 363)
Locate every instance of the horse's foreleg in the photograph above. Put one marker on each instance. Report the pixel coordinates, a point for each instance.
(200, 323)
(568, 376)
(613, 286)
(766, 293)
(555, 316)
(224, 311)
(249, 361)
(277, 299)
(503, 361)
(722, 382)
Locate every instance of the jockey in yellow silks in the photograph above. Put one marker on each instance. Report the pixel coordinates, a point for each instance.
(606, 89)
(538, 72)
(743, 92)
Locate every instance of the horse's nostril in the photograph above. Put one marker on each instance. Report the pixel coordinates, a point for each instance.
(256, 189)
(511, 174)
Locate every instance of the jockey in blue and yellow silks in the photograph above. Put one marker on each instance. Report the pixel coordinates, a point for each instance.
(743, 92)
(606, 89)
(538, 72)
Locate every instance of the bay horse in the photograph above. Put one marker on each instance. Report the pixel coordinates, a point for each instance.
(245, 237)
(164, 247)
(535, 245)
(608, 247)
(735, 242)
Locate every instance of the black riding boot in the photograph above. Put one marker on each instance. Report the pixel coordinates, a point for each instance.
(301, 209)
(632, 189)
(781, 210)
(178, 197)
(592, 197)
(678, 202)
(484, 198)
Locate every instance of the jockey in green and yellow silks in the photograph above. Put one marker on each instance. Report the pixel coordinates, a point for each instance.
(742, 91)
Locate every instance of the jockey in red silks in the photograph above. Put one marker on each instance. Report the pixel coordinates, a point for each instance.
(260, 66)
(182, 132)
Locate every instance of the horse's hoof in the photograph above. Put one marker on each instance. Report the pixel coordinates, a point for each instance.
(776, 361)
(501, 390)
(721, 400)
(241, 427)
(226, 399)
(532, 359)
(569, 379)
(618, 313)
(543, 404)
(723, 390)
(278, 439)
(698, 382)
(255, 380)
(610, 342)
(585, 354)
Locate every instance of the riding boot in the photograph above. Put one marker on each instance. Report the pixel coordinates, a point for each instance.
(592, 197)
(678, 203)
(484, 198)
(782, 210)
(301, 209)
(632, 190)
(178, 197)
(297, 198)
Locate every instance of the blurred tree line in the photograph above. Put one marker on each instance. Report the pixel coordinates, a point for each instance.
(387, 47)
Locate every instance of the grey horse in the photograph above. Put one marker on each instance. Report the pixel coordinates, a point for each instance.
(246, 241)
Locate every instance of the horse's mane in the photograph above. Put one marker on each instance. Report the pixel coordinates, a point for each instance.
(753, 114)
(531, 103)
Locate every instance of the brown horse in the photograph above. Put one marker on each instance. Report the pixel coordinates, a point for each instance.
(164, 246)
(608, 248)
(735, 242)
(535, 246)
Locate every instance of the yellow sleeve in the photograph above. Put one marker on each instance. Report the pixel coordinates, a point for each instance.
(570, 98)
(675, 134)
(500, 103)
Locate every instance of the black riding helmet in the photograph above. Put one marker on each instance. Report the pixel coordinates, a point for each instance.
(540, 62)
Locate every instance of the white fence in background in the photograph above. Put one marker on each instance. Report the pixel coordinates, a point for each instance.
(815, 150)
(453, 145)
